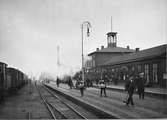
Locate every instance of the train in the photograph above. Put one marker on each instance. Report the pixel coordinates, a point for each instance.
(11, 80)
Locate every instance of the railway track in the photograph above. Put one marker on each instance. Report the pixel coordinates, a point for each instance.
(58, 107)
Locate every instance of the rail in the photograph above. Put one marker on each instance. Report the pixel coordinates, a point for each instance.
(68, 105)
(46, 104)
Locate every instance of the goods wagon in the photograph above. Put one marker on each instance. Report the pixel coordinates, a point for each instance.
(2, 79)
(16, 78)
(20, 79)
(11, 80)
(13, 73)
(8, 81)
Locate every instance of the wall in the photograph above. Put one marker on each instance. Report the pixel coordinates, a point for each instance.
(101, 58)
(119, 72)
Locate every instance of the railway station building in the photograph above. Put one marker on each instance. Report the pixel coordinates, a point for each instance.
(119, 63)
(100, 56)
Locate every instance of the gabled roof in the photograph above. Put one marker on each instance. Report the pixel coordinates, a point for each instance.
(147, 53)
(113, 50)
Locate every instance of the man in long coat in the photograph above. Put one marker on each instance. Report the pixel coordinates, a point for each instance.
(130, 87)
(140, 86)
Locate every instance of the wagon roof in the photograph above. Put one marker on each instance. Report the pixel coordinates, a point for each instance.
(12, 69)
(3, 63)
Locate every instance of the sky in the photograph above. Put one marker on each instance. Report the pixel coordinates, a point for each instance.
(31, 30)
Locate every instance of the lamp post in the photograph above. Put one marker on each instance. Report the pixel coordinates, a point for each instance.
(88, 25)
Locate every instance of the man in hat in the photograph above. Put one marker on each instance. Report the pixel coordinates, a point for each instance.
(130, 87)
(81, 87)
(70, 83)
(57, 82)
(102, 87)
(140, 85)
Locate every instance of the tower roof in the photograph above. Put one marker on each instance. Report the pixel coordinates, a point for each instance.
(111, 33)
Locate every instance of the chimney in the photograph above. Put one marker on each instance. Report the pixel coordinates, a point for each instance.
(137, 49)
(97, 49)
(128, 47)
(102, 47)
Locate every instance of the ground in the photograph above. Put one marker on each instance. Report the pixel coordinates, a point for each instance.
(26, 102)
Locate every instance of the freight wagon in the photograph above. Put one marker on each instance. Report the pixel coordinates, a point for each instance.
(2, 79)
(11, 80)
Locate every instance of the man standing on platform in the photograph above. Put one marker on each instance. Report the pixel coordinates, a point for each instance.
(102, 85)
(57, 82)
(70, 83)
(130, 87)
(81, 87)
(140, 85)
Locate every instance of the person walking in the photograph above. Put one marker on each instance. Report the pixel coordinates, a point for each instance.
(126, 89)
(130, 87)
(70, 83)
(102, 87)
(81, 87)
(140, 85)
(57, 82)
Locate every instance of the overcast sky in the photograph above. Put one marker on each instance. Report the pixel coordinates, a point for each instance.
(31, 30)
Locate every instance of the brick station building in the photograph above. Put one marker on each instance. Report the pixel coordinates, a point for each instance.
(100, 56)
(118, 63)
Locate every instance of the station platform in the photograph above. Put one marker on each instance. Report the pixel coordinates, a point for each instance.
(150, 107)
(153, 91)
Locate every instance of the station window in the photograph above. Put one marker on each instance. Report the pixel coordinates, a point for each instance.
(113, 70)
(146, 71)
(109, 39)
(155, 76)
(93, 62)
(112, 39)
(124, 77)
(139, 68)
(133, 68)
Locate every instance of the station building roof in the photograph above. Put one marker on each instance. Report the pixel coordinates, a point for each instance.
(113, 50)
(136, 56)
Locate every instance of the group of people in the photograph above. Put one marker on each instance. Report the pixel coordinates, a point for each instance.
(132, 83)
(69, 82)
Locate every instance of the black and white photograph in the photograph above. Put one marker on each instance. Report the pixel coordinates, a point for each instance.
(83, 59)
